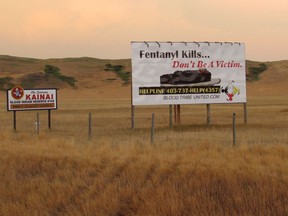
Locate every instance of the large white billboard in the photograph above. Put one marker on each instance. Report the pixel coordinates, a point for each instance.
(188, 73)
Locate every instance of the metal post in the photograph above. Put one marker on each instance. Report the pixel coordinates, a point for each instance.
(152, 129)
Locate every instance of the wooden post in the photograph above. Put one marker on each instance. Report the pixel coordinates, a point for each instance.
(14, 120)
(177, 119)
(179, 111)
(245, 113)
(152, 129)
(170, 117)
(234, 129)
(49, 119)
(178, 114)
(175, 114)
(90, 126)
(208, 115)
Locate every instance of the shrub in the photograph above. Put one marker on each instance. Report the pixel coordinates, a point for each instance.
(118, 69)
(5, 83)
(256, 71)
(51, 70)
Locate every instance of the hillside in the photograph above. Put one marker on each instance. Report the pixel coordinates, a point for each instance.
(190, 169)
(92, 73)
(272, 81)
(89, 72)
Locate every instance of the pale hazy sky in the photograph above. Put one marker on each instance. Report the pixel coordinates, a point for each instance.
(105, 28)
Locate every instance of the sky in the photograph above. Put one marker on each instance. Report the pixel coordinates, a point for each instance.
(105, 28)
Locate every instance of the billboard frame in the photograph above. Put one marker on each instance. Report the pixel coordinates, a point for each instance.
(156, 45)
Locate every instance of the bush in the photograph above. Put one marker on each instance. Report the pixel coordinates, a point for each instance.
(118, 69)
(5, 83)
(51, 70)
(256, 71)
(70, 80)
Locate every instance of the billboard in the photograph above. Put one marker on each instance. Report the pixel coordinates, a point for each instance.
(19, 99)
(188, 73)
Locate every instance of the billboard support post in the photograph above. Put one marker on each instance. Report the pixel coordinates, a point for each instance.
(170, 117)
(175, 114)
(178, 114)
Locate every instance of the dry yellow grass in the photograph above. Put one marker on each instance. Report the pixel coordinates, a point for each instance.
(190, 170)
(133, 180)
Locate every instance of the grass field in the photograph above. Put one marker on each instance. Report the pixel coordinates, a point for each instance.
(192, 169)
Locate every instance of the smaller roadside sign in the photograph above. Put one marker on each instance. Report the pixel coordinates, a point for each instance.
(19, 99)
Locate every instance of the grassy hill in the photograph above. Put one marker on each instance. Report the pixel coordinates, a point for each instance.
(91, 73)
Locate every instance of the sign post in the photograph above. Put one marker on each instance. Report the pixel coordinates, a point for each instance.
(14, 120)
(19, 99)
(49, 119)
